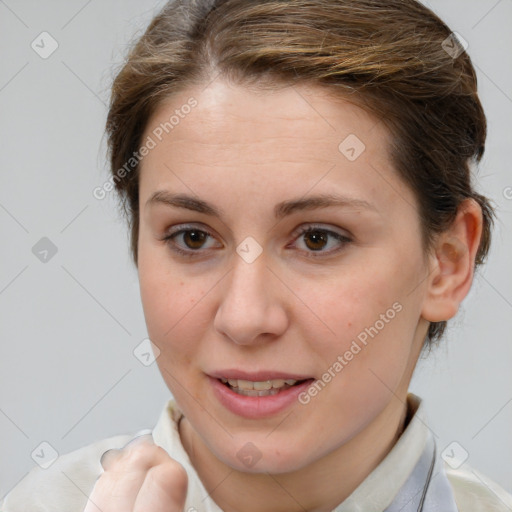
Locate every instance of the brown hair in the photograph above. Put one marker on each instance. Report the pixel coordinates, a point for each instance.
(396, 58)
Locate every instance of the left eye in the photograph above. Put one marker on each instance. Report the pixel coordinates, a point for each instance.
(316, 239)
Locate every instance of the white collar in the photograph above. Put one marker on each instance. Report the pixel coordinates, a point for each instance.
(375, 493)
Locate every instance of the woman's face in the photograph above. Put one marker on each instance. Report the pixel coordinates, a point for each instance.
(252, 297)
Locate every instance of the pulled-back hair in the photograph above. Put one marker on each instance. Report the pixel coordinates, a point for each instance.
(395, 58)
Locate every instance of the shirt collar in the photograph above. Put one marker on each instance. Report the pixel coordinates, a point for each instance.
(376, 492)
(381, 486)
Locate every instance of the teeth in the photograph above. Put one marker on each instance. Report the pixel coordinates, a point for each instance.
(266, 385)
(255, 392)
(260, 386)
(245, 384)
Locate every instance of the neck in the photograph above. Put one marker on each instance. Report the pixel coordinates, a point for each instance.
(318, 487)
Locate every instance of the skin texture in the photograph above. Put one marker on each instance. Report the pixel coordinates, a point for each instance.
(245, 151)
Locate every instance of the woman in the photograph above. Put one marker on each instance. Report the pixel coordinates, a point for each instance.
(296, 177)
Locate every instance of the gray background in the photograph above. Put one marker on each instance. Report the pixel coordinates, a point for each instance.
(69, 326)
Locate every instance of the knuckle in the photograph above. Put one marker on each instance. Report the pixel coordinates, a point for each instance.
(141, 455)
(144, 455)
(170, 472)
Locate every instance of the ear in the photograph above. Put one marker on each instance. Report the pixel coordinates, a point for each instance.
(452, 264)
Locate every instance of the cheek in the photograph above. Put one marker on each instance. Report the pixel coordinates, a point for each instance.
(172, 307)
(351, 304)
(371, 318)
(365, 363)
(172, 310)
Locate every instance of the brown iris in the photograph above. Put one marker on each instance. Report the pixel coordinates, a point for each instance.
(318, 237)
(196, 237)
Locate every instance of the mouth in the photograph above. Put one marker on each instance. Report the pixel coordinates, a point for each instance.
(260, 388)
(257, 395)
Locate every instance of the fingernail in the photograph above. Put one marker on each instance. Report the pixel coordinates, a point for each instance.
(109, 456)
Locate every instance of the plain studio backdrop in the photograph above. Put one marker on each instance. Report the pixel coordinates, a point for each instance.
(71, 317)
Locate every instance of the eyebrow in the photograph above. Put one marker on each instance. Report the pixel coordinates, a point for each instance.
(280, 210)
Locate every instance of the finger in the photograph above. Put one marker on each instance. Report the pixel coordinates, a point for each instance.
(115, 491)
(164, 489)
(117, 488)
(110, 455)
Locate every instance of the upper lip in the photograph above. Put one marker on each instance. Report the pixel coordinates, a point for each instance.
(259, 376)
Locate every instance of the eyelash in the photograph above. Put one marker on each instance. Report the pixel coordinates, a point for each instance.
(169, 240)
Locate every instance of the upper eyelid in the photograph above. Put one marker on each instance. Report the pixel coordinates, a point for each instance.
(296, 232)
(187, 227)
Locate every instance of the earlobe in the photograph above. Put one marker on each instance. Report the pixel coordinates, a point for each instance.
(452, 264)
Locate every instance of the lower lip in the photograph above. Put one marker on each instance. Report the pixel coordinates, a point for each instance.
(254, 407)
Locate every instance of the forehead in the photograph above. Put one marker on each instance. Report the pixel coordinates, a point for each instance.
(291, 137)
(231, 115)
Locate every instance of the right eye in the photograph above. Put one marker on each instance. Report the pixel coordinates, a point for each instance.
(192, 239)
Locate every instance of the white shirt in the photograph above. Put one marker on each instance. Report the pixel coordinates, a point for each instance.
(65, 485)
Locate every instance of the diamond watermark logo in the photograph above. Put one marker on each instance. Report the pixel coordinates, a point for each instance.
(44, 250)
(146, 352)
(249, 454)
(454, 45)
(352, 147)
(44, 455)
(249, 249)
(455, 455)
(44, 45)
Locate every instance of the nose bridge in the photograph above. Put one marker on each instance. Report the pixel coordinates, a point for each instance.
(250, 304)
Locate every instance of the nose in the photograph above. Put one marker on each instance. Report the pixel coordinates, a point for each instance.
(252, 308)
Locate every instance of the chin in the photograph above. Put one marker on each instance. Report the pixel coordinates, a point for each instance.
(250, 458)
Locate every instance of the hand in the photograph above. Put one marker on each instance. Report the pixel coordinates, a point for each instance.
(138, 478)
